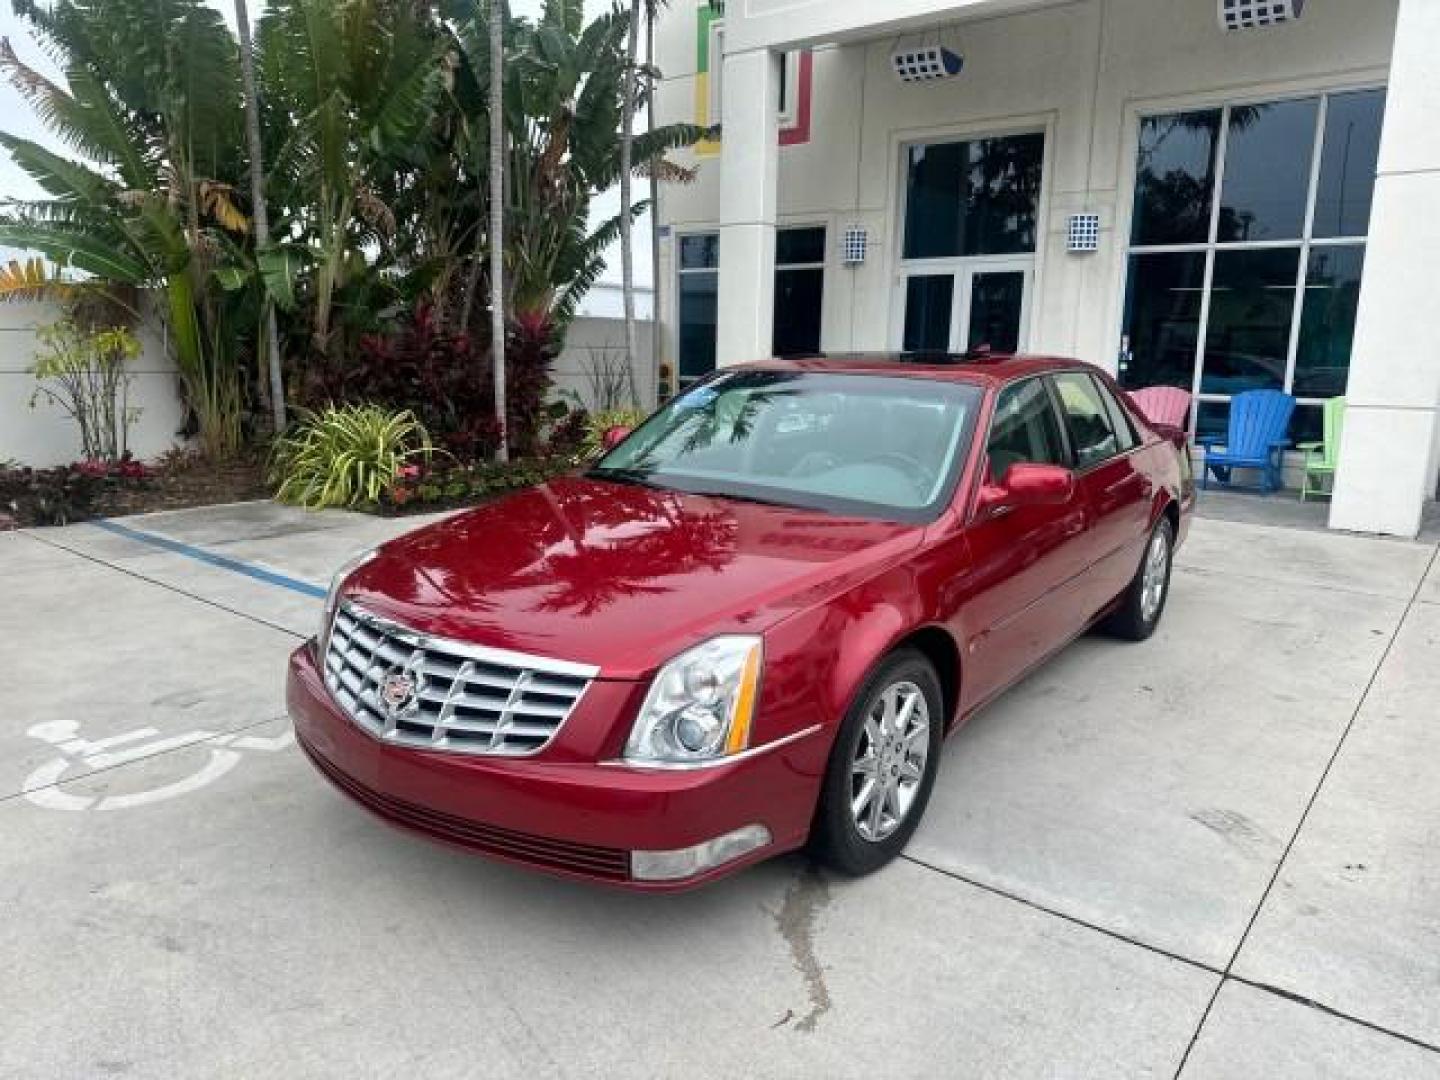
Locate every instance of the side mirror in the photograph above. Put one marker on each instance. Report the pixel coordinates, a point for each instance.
(614, 436)
(1027, 484)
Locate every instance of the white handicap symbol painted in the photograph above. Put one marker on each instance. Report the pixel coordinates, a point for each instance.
(42, 788)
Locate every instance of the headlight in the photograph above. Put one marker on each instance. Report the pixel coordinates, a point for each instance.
(332, 598)
(700, 705)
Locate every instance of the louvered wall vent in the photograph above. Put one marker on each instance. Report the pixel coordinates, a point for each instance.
(1252, 14)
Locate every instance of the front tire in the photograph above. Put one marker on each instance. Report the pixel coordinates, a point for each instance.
(1144, 600)
(882, 767)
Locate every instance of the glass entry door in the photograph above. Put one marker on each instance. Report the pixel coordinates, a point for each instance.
(967, 307)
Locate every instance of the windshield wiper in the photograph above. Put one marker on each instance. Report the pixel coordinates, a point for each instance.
(716, 493)
(638, 477)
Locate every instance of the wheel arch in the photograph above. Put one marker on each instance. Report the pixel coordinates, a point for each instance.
(938, 646)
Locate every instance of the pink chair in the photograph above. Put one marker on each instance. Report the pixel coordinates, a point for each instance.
(1164, 405)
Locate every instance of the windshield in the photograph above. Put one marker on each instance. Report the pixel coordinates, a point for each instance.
(872, 445)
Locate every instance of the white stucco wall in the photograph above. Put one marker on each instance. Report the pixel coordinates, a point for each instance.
(592, 339)
(44, 435)
(1081, 71)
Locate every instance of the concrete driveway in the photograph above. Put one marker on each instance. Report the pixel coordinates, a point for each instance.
(1212, 855)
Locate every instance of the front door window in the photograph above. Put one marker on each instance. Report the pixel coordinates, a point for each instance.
(977, 305)
(997, 301)
(799, 290)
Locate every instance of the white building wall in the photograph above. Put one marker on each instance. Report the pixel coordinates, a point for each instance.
(594, 340)
(43, 435)
(1082, 72)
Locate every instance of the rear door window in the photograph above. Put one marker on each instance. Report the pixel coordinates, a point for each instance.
(1092, 432)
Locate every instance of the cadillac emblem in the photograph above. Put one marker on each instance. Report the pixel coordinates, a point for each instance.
(397, 691)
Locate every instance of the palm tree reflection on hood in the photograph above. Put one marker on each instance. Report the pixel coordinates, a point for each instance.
(654, 537)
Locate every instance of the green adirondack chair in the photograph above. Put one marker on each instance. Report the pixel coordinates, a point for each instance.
(1322, 457)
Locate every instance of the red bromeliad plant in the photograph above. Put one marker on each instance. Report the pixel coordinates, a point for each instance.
(444, 379)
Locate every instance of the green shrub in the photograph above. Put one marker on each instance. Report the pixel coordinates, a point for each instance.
(86, 374)
(602, 421)
(346, 455)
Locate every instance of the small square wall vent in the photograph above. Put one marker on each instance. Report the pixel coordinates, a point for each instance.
(926, 63)
(1084, 233)
(1252, 14)
(854, 245)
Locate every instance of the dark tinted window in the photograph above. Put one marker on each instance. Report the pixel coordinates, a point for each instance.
(1348, 163)
(1175, 178)
(698, 296)
(1025, 429)
(805, 245)
(1327, 324)
(929, 299)
(1252, 302)
(799, 304)
(700, 251)
(997, 298)
(1163, 293)
(1267, 170)
(973, 198)
(1091, 430)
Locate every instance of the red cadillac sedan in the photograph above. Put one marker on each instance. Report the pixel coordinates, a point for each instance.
(751, 624)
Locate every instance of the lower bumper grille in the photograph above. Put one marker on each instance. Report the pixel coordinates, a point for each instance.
(611, 864)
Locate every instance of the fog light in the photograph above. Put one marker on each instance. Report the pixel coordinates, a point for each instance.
(687, 862)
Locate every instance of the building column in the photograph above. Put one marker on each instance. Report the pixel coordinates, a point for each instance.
(1391, 444)
(749, 169)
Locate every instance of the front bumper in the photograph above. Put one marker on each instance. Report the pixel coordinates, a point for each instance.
(554, 813)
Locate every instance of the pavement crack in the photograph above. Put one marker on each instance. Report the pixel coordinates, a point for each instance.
(807, 896)
(1229, 974)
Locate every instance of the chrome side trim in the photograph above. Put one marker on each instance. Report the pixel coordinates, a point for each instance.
(712, 763)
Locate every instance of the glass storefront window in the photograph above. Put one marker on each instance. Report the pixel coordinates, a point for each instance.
(973, 198)
(1163, 295)
(1348, 162)
(1327, 324)
(1175, 178)
(1259, 291)
(1252, 306)
(1267, 170)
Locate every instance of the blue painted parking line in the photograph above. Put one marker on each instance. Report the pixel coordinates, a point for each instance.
(224, 562)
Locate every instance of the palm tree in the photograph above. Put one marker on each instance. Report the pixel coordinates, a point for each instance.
(497, 218)
(350, 89)
(652, 16)
(151, 107)
(259, 213)
(627, 147)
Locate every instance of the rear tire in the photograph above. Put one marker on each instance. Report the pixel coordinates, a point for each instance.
(1143, 602)
(882, 767)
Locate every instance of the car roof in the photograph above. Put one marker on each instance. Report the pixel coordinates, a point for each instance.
(992, 369)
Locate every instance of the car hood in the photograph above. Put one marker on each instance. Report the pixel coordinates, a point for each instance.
(617, 575)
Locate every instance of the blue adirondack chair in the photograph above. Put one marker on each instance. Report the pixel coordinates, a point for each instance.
(1259, 420)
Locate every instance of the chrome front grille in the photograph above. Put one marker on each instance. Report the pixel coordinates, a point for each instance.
(408, 688)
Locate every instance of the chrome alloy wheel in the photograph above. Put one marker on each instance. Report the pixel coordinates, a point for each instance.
(890, 759)
(1156, 575)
